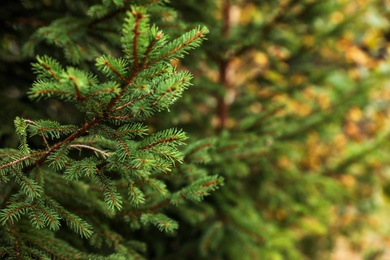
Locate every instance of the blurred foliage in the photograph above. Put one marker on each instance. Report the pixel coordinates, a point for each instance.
(297, 93)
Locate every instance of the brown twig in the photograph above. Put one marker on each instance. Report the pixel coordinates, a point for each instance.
(222, 106)
(85, 128)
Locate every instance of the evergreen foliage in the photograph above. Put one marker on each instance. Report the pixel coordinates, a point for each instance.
(88, 178)
(121, 158)
(277, 84)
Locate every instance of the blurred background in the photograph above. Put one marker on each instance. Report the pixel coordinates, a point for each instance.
(294, 95)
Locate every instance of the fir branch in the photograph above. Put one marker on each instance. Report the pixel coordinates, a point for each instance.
(197, 190)
(50, 246)
(20, 160)
(28, 186)
(162, 95)
(115, 100)
(21, 130)
(74, 222)
(48, 92)
(124, 149)
(42, 135)
(112, 197)
(153, 72)
(166, 140)
(86, 167)
(114, 70)
(212, 236)
(44, 217)
(128, 28)
(117, 67)
(170, 136)
(13, 212)
(76, 87)
(151, 46)
(59, 158)
(177, 47)
(8, 152)
(132, 130)
(138, 17)
(136, 196)
(71, 52)
(198, 149)
(47, 66)
(131, 102)
(85, 128)
(157, 185)
(135, 34)
(161, 221)
(136, 90)
(47, 128)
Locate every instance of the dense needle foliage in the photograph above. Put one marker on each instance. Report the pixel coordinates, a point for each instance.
(111, 168)
(107, 150)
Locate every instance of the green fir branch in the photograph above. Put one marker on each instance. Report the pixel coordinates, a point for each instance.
(161, 221)
(49, 129)
(28, 186)
(75, 223)
(110, 162)
(86, 167)
(135, 35)
(115, 68)
(13, 212)
(180, 46)
(197, 190)
(21, 130)
(17, 161)
(59, 158)
(137, 197)
(111, 196)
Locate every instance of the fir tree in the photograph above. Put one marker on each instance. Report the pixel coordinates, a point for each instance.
(71, 193)
(287, 105)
